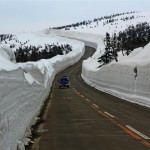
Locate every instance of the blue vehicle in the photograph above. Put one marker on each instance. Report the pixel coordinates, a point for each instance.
(63, 82)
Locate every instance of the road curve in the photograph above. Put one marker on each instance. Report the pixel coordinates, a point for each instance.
(83, 118)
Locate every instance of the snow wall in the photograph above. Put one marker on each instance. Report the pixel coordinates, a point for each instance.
(23, 89)
(120, 81)
(117, 79)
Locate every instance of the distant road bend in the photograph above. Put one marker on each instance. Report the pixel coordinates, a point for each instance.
(83, 118)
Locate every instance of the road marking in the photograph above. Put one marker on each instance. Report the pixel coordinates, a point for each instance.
(95, 105)
(109, 114)
(131, 133)
(137, 132)
(82, 96)
(126, 129)
(87, 99)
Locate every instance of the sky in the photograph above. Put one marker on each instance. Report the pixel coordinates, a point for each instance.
(34, 15)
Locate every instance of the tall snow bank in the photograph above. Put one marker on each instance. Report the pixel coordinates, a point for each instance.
(23, 89)
(120, 79)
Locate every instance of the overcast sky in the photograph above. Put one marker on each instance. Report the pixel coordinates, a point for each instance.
(32, 15)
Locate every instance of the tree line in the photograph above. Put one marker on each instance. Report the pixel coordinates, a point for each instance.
(112, 20)
(125, 41)
(4, 37)
(88, 22)
(35, 53)
(9, 37)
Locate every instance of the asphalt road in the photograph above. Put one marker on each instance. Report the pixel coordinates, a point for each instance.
(83, 118)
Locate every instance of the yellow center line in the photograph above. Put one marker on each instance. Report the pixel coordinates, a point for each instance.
(112, 119)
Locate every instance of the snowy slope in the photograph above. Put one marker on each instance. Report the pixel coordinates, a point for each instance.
(116, 26)
(25, 86)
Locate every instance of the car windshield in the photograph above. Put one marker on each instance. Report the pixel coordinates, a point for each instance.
(64, 79)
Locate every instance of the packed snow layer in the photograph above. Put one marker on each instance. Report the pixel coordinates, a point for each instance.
(23, 89)
(120, 79)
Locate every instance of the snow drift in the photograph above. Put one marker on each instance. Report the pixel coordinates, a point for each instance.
(120, 79)
(23, 89)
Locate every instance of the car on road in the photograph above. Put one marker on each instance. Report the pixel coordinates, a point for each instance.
(64, 82)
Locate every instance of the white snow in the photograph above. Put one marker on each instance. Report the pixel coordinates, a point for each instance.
(7, 58)
(25, 86)
(116, 26)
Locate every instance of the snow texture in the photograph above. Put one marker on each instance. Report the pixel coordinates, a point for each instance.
(25, 86)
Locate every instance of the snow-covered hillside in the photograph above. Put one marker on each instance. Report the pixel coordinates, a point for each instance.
(120, 24)
(25, 86)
